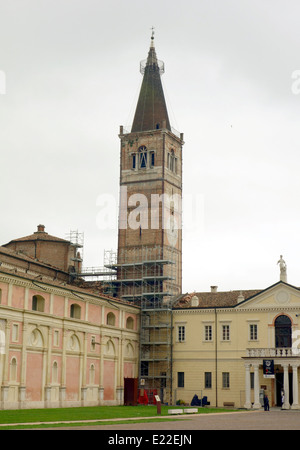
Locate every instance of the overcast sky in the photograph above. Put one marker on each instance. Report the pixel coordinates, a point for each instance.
(70, 77)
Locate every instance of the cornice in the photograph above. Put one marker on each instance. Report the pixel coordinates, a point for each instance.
(269, 308)
(62, 291)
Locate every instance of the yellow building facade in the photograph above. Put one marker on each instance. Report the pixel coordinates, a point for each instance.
(224, 343)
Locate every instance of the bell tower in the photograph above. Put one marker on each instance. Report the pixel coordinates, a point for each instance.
(149, 264)
(150, 190)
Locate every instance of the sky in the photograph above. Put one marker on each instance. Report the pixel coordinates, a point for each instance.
(69, 77)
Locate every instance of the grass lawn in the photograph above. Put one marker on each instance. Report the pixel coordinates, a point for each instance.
(88, 413)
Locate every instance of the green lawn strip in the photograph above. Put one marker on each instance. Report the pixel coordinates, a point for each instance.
(88, 413)
(78, 413)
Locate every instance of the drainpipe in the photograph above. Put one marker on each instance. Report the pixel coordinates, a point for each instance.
(216, 356)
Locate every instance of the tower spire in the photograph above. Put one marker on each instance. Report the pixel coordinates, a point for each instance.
(151, 111)
(152, 38)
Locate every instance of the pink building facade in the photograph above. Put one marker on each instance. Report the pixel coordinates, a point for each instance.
(61, 345)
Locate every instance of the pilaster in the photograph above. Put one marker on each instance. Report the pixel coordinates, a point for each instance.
(257, 404)
(295, 404)
(286, 404)
(247, 386)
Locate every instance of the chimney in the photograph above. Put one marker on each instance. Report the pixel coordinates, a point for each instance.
(41, 228)
(240, 298)
(194, 301)
(214, 289)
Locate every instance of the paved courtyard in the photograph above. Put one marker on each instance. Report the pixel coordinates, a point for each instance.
(275, 419)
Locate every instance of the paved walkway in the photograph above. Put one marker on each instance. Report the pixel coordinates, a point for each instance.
(275, 419)
(245, 420)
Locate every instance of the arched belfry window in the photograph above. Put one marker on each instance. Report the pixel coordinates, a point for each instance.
(38, 303)
(75, 311)
(283, 331)
(111, 319)
(172, 161)
(130, 323)
(143, 157)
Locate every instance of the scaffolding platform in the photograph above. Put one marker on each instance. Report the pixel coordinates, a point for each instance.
(146, 277)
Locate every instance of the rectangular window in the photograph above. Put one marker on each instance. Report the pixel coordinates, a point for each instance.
(143, 160)
(15, 332)
(34, 303)
(253, 332)
(208, 333)
(56, 338)
(207, 380)
(225, 333)
(180, 379)
(225, 380)
(181, 333)
(133, 161)
(152, 159)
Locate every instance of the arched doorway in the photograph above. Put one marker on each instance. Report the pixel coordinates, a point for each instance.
(283, 339)
(283, 332)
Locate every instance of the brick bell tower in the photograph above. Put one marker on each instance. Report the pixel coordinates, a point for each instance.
(151, 193)
(149, 265)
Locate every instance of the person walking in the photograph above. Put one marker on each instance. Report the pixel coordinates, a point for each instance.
(266, 403)
(282, 399)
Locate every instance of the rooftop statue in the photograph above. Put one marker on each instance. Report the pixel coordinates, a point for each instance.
(283, 267)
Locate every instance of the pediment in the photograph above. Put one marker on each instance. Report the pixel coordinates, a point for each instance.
(279, 295)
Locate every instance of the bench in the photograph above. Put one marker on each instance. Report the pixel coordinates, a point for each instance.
(175, 411)
(190, 410)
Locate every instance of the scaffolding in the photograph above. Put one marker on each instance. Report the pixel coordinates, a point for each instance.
(146, 276)
(77, 241)
(106, 274)
(76, 238)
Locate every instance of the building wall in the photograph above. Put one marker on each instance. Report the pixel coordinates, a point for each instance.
(57, 253)
(196, 355)
(19, 261)
(50, 359)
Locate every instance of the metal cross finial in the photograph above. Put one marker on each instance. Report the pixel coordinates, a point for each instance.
(152, 28)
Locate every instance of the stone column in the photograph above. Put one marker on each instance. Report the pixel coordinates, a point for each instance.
(6, 353)
(47, 396)
(101, 371)
(48, 371)
(22, 387)
(247, 386)
(83, 395)
(5, 369)
(286, 404)
(62, 387)
(120, 371)
(295, 404)
(257, 404)
(84, 364)
(100, 395)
